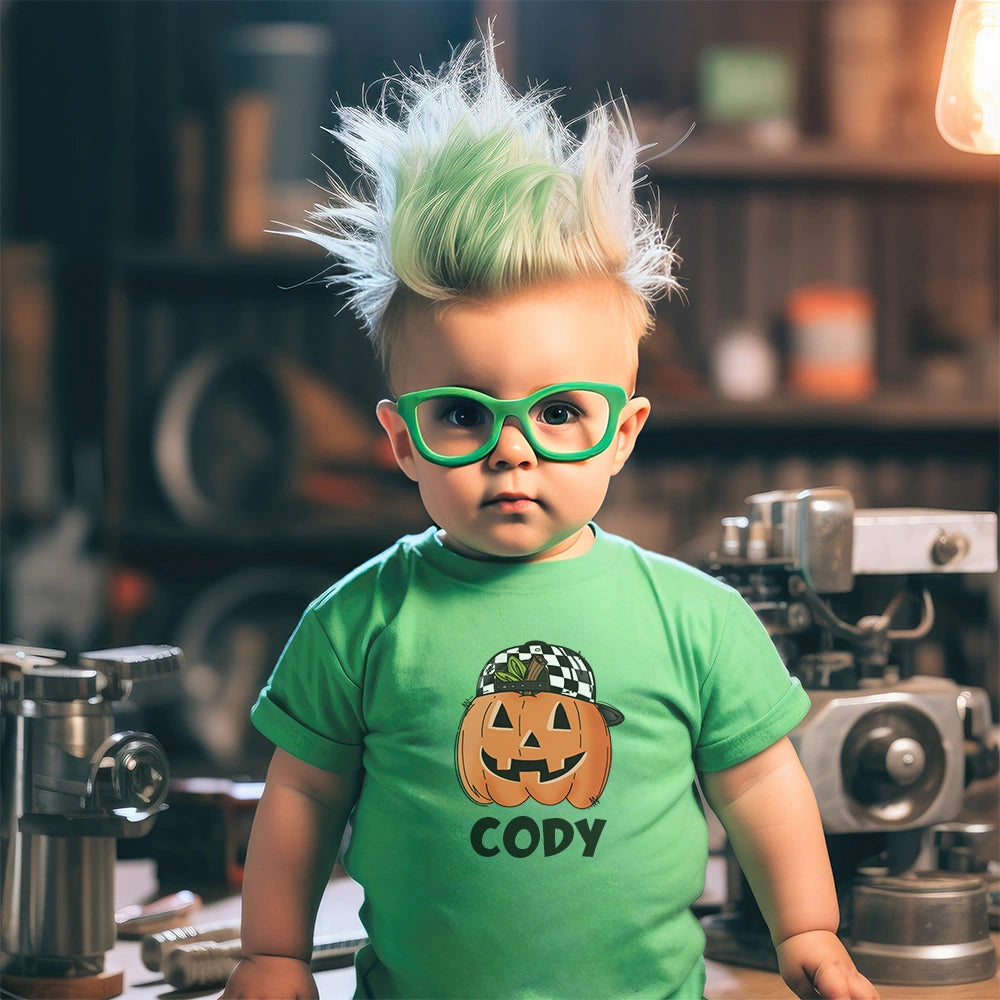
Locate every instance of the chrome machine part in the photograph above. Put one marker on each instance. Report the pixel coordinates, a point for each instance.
(905, 540)
(883, 754)
(885, 758)
(921, 928)
(962, 847)
(126, 664)
(820, 534)
(129, 774)
(872, 637)
(888, 755)
(71, 785)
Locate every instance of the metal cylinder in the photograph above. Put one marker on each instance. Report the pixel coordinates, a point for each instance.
(156, 947)
(71, 785)
(201, 963)
(58, 891)
(922, 928)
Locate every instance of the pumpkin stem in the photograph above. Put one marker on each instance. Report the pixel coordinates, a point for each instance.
(535, 668)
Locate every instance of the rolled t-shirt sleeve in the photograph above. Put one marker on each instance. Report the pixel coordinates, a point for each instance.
(310, 707)
(749, 700)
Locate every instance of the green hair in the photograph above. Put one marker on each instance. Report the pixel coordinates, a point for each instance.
(468, 189)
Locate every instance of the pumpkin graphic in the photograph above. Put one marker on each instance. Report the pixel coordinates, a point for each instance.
(534, 730)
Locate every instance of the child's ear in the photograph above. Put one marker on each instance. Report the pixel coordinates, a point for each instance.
(633, 418)
(399, 436)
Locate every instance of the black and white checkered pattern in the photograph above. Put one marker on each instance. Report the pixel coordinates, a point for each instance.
(567, 672)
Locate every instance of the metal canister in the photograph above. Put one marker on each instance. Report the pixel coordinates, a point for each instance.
(831, 342)
(921, 928)
(71, 786)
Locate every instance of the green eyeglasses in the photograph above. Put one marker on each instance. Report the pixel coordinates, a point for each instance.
(567, 422)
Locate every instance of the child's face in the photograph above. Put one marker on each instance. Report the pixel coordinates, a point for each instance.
(512, 503)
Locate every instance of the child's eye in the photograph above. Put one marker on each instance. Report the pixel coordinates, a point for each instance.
(463, 414)
(556, 414)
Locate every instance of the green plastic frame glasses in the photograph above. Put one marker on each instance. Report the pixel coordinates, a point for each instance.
(499, 410)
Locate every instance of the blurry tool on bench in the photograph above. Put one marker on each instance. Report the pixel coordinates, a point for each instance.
(156, 947)
(888, 755)
(201, 964)
(245, 438)
(141, 919)
(71, 786)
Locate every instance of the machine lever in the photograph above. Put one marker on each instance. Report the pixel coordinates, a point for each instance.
(871, 626)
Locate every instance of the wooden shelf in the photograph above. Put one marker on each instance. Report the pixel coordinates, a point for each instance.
(348, 532)
(214, 261)
(903, 413)
(717, 160)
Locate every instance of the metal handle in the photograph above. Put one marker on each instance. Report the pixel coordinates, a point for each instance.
(130, 773)
(125, 664)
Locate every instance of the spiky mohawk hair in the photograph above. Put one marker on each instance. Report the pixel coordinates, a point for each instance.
(469, 189)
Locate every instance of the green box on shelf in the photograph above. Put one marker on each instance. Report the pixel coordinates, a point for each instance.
(743, 84)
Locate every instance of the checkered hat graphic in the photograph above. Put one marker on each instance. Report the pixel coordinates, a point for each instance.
(546, 668)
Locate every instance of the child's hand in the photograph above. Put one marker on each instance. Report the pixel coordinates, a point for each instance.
(816, 964)
(271, 977)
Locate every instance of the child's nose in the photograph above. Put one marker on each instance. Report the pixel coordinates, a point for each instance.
(512, 448)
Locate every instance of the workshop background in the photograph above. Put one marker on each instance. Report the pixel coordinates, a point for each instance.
(189, 451)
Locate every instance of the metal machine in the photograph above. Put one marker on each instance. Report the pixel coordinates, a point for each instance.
(71, 786)
(887, 753)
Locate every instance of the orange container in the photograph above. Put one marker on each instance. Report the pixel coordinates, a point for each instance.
(831, 342)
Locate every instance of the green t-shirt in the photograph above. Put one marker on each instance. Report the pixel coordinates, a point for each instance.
(528, 824)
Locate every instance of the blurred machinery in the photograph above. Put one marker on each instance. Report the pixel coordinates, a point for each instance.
(887, 754)
(71, 786)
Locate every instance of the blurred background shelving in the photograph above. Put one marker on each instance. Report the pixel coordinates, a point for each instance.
(187, 418)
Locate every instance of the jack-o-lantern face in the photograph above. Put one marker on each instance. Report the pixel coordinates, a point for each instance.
(547, 746)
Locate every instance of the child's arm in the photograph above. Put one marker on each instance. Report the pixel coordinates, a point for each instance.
(293, 845)
(770, 814)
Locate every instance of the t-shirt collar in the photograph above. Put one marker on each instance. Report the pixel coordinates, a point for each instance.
(549, 572)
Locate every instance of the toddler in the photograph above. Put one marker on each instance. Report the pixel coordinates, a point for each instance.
(514, 707)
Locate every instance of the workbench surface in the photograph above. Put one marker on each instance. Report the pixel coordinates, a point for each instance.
(338, 916)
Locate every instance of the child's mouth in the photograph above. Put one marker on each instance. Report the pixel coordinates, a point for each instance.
(511, 503)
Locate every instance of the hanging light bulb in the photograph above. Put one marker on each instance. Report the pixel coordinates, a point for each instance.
(968, 97)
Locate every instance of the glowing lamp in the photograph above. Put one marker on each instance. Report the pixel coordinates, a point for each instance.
(968, 98)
